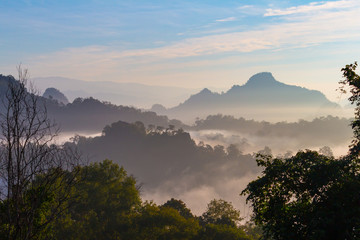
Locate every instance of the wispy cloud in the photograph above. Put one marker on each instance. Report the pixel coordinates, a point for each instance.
(229, 19)
(95, 62)
(311, 7)
(251, 10)
(307, 31)
(245, 7)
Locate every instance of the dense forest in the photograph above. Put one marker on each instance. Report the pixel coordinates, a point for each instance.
(165, 155)
(281, 137)
(50, 191)
(107, 205)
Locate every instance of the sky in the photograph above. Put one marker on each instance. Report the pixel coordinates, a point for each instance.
(192, 44)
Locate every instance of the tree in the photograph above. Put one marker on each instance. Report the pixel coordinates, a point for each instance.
(221, 222)
(108, 199)
(179, 206)
(222, 232)
(32, 168)
(326, 150)
(352, 80)
(157, 223)
(221, 212)
(310, 195)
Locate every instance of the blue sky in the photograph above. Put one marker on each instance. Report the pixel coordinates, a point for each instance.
(183, 43)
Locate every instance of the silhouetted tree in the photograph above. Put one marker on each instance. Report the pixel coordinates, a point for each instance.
(352, 80)
(221, 212)
(326, 150)
(179, 206)
(310, 195)
(108, 199)
(32, 168)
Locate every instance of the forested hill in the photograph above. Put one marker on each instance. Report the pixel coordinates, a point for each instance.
(328, 130)
(159, 156)
(4, 82)
(90, 114)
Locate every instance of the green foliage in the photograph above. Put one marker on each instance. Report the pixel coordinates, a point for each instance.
(253, 231)
(221, 221)
(179, 206)
(51, 200)
(155, 222)
(222, 232)
(107, 198)
(109, 207)
(308, 196)
(221, 212)
(352, 80)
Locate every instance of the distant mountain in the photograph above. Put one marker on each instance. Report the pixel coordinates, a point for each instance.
(329, 131)
(4, 83)
(130, 94)
(88, 114)
(54, 94)
(91, 115)
(262, 97)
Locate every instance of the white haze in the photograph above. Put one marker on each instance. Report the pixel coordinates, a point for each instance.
(197, 198)
(226, 188)
(250, 143)
(67, 136)
(222, 185)
(273, 114)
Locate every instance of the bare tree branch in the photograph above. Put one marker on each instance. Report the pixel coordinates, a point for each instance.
(32, 167)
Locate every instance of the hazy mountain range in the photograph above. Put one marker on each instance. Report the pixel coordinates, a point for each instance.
(88, 114)
(262, 97)
(169, 160)
(130, 94)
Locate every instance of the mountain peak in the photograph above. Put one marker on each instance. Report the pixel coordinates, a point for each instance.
(205, 91)
(55, 94)
(263, 79)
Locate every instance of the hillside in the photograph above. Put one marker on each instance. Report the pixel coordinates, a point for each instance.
(90, 114)
(262, 97)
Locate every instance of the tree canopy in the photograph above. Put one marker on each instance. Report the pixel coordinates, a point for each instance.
(32, 167)
(109, 206)
(310, 195)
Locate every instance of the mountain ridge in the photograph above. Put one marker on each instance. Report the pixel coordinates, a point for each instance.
(121, 93)
(261, 91)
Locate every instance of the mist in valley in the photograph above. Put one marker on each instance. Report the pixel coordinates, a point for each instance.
(206, 120)
(211, 157)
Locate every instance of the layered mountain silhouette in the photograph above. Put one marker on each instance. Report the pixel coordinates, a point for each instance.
(262, 95)
(130, 94)
(86, 114)
(55, 94)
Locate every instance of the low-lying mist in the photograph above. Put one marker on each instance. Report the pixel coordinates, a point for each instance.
(259, 113)
(168, 163)
(214, 158)
(251, 136)
(279, 146)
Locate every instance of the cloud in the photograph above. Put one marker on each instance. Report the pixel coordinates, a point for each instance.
(306, 31)
(229, 19)
(111, 62)
(311, 7)
(245, 7)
